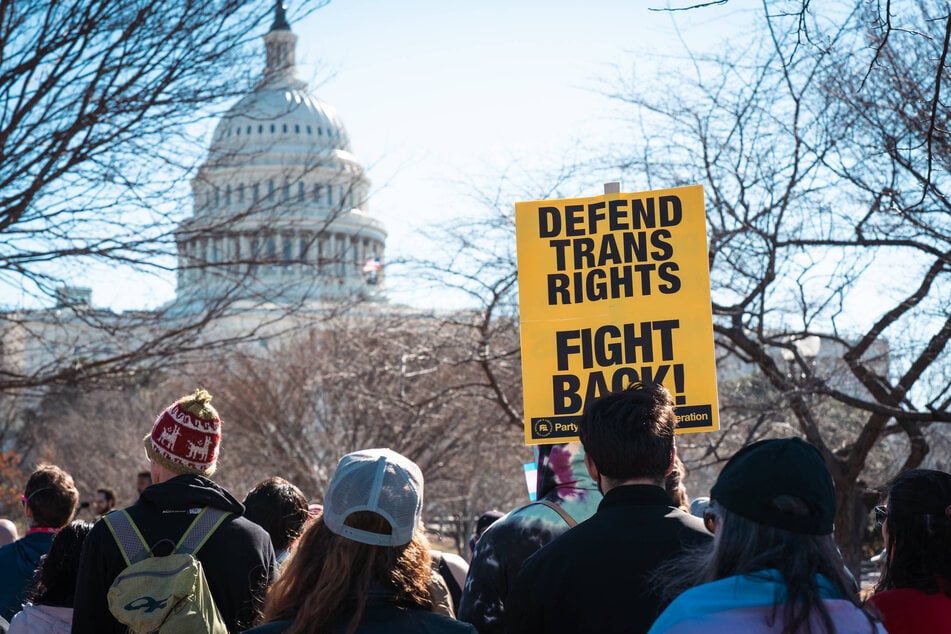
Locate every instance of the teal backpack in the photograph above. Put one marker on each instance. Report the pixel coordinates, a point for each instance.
(164, 594)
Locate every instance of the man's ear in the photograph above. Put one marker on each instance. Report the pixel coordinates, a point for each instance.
(673, 461)
(591, 467)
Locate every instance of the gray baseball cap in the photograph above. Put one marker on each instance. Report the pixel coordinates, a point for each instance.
(380, 481)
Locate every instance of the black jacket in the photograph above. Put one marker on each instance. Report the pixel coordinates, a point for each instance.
(383, 615)
(595, 577)
(238, 558)
(563, 481)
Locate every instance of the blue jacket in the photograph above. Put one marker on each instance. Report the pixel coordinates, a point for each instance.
(18, 561)
(745, 604)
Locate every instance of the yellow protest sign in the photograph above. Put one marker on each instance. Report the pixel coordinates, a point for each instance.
(614, 289)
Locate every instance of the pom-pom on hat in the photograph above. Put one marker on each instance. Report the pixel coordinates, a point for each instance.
(186, 435)
(380, 481)
(755, 480)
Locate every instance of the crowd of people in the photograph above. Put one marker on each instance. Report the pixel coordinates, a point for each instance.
(610, 545)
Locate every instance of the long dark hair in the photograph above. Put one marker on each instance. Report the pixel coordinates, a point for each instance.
(918, 533)
(328, 577)
(56, 575)
(744, 547)
(278, 507)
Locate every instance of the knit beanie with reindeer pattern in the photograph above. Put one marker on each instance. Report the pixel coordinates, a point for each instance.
(186, 435)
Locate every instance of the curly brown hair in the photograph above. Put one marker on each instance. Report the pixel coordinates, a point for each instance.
(674, 485)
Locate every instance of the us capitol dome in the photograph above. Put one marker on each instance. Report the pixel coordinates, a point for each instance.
(280, 202)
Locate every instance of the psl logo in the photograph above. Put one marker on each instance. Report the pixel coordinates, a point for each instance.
(542, 428)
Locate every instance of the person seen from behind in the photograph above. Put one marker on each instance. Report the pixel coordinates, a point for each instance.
(281, 509)
(449, 573)
(482, 524)
(566, 496)
(237, 558)
(49, 502)
(363, 567)
(595, 577)
(50, 610)
(774, 566)
(913, 593)
(143, 480)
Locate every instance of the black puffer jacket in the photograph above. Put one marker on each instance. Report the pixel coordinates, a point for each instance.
(238, 558)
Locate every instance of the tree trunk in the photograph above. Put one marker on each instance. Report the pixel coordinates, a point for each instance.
(850, 519)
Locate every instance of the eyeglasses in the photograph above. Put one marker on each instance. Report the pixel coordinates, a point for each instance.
(881, 514)
(710, 519)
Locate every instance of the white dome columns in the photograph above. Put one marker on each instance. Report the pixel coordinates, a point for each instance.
(280, 264)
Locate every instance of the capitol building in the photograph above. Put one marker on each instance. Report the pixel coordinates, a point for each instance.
(279, 238)
(280, 203)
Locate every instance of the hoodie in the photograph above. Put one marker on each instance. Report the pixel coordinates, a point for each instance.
(18, 561)
(238, 559)
(563, 481)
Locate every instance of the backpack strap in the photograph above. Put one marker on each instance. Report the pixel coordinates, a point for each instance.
(557, 509)
(200, 530)
(131, 543)
(454, 590)
(134, 547)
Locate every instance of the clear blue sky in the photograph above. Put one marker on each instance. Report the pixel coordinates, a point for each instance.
(435, 92)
